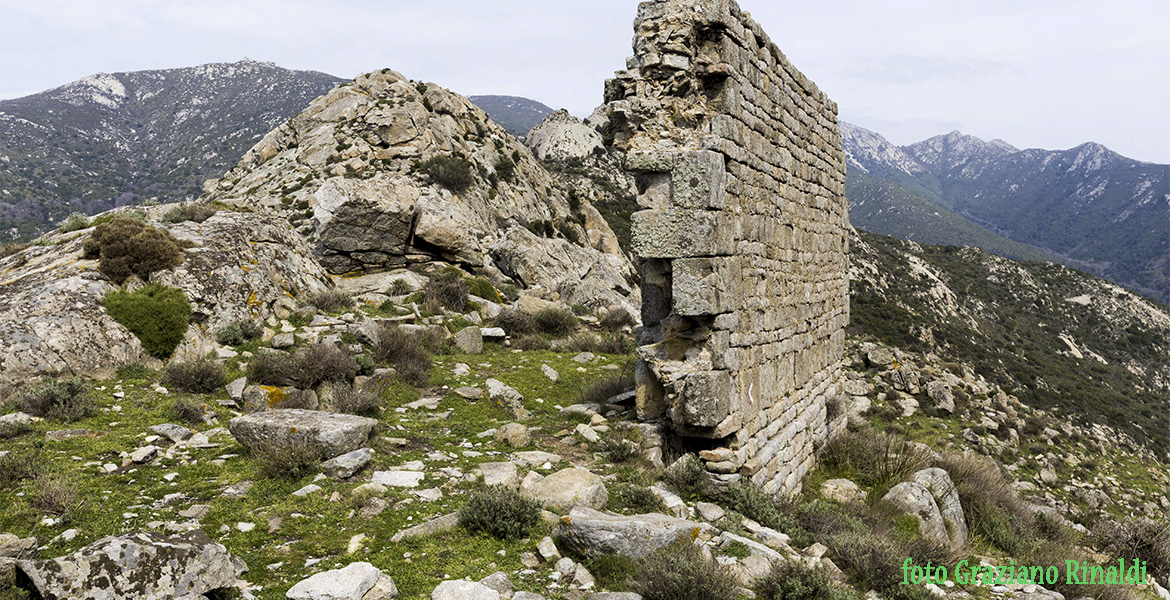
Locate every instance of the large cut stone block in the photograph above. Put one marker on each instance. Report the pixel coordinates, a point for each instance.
(680, 232)
(706, 286)
(706, 398)
(697, 180)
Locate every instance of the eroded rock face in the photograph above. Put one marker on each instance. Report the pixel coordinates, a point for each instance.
(327, 434)
(351, 173)
(562, 136)
(144, 565)
(53, 323)
(940, 486)
(917, 501)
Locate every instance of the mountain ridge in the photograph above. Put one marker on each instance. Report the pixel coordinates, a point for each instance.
(111, 139)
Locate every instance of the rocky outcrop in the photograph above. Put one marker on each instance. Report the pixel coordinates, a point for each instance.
(917, 501)
(326, 434)
(52, 320)
(143, 565)
(359, 174)
(562, 136)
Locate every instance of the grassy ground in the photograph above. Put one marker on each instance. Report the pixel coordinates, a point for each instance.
(312, 528)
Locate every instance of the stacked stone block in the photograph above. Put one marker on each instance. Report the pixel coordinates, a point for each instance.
(741, 240)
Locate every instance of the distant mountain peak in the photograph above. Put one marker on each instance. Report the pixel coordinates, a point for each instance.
(956, 148)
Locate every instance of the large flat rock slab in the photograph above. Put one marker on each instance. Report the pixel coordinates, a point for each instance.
(329, 434)
(143, 565)
(590, 532)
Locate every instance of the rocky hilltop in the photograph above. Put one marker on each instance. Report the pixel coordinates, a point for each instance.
(386, 172)
(126, 138)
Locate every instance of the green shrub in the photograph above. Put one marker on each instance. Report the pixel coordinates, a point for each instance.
(447, 289)
(17, 466)
(318, 363)
(613, 572)
(74, 222)
(599, 391)
(992, 508)
(197, 212)
(200, 376)
(515, 322)
(484, 289)
(11, 248)
(290, 460)
(453, 172)
(630, 499)
(788, 582)
(500, 511)
(505, 169)
(680, 571)
(1141, 538)
(401, 350)
(238, 332)
(157, 314)
(585, 341)
(353, 399)
(755, 504)
(686, 476)
(128, 247)
(877, 460)
(55, 495)
(619, 446)
(557, 322)
(270, 367)
(15, 430)
(399, 287)
(135, 371)
(64, 400)
(618, 318)
(329, 301)
(186, 411)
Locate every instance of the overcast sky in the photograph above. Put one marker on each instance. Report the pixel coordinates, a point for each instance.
(1036, 73)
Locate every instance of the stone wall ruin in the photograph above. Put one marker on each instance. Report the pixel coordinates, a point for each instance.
(741, 241)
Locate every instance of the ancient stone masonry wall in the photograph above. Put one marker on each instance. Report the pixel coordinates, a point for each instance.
(741, 240)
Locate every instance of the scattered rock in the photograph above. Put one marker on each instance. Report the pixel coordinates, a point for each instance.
(67, 434)
(308, 489)
(500, 473)
(504, 396)
(590, 532)
(493, 333)
(283, 340)
(260, 398)
(470, 393)
(137, 565)
(469, 340)
(843, 491)
(499, 582)
(710, 512)
(327, 434)
(144, 455)
(235, 389)
(567, 488)
(238, 490)
(535, 458)
(587, 433)
(548, 550)
(513, 434)
(344, 466)
(399, 478)
(446, 522)
(940, 394)
(464, 590)
(353, 582)
(174, 433)
(16, 418)
(550, 372)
